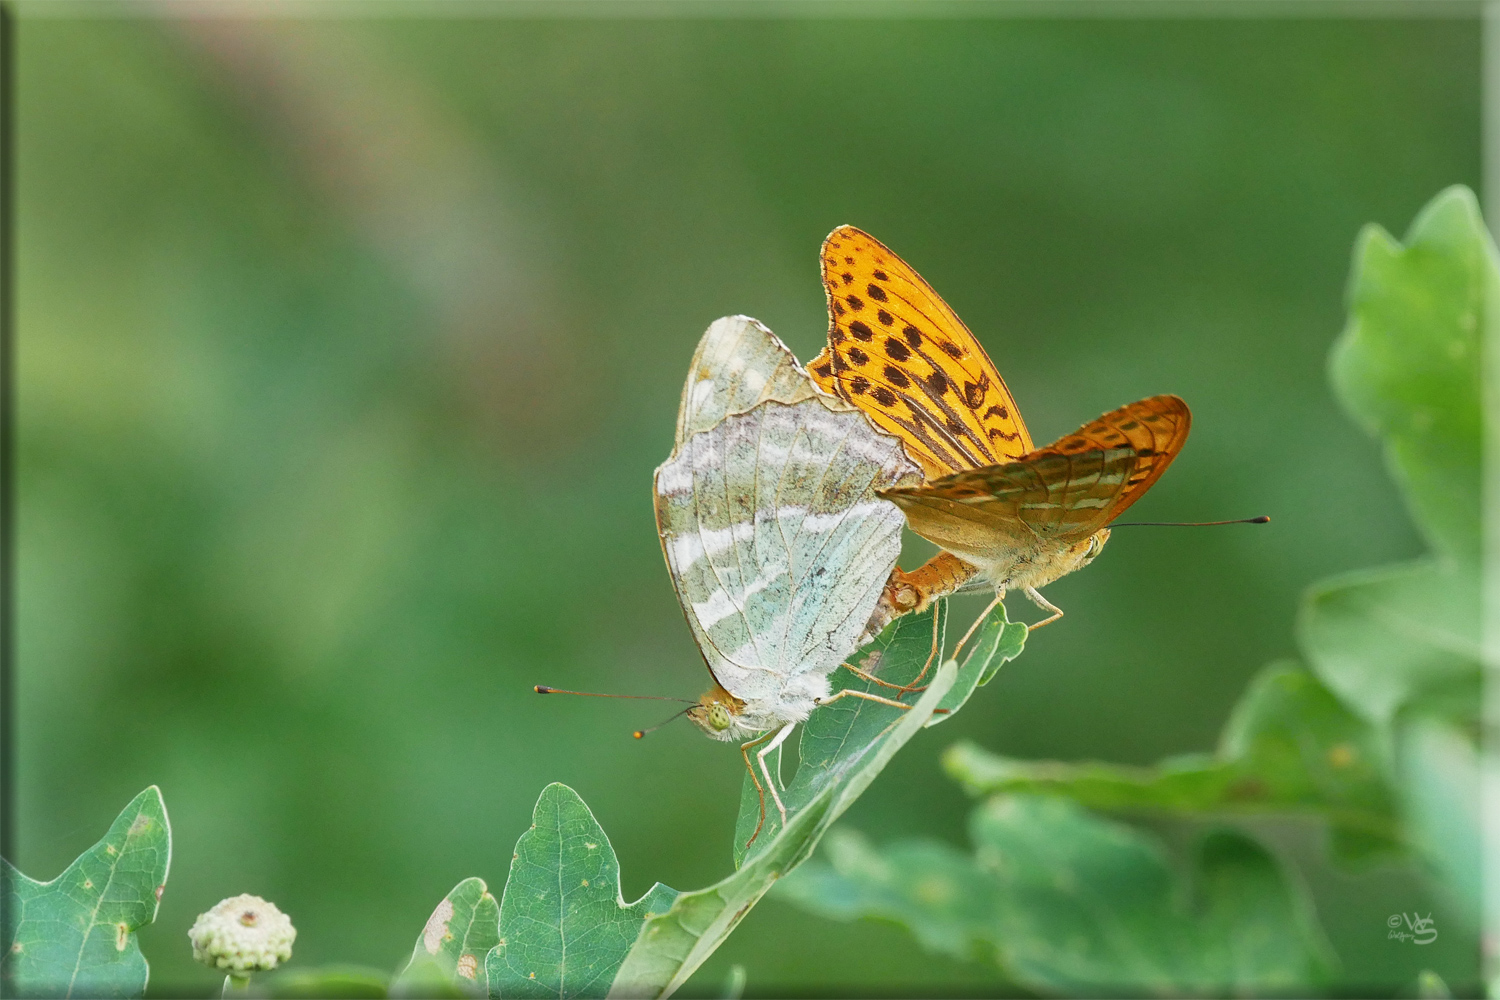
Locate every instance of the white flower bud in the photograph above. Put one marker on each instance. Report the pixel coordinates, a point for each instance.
(243, 934)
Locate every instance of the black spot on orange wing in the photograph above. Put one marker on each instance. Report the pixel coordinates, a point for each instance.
(913, 336)
(883, 396)
(848, 278)
(882, 276)
(938, 382)
(886, 319)
(952, 350)
(974, 393)
(838, 308)
(896, 377)
(997, 411)
(855, 302)
(825, 370)
(860, 358)
(860, 331)
(875, 292)
(896, 351)
(859, 385)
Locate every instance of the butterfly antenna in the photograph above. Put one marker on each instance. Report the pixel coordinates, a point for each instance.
(642, 732)
(544, 689)
(1263, 519)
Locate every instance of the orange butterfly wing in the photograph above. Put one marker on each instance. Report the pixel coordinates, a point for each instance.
(902, 356)
(1064, 492)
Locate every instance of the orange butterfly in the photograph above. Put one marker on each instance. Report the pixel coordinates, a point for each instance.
(1007, 515)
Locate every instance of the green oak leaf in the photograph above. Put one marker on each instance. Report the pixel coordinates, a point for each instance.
(1407, 368)
(672, 945)
(839, 734)
(564, 927)
(1064, 901)
(451, 950)
(565, 930)
(1290, 747)
(75, 935)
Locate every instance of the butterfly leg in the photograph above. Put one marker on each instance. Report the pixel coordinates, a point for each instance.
(999, 596)
(760, 790)
(867, 696)
(1045, 605)
(760, 755)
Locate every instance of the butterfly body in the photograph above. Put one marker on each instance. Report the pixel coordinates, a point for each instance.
(1007, 515)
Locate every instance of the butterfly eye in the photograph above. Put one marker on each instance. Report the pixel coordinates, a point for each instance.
(718, 717)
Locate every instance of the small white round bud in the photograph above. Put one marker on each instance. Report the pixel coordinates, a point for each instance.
(243, 934)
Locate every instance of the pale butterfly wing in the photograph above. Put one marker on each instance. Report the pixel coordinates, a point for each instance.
(740, 364)
(776, 540)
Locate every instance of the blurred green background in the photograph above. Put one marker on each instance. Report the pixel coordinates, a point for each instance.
(347, 348)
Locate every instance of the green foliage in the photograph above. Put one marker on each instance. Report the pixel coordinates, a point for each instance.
(75, 935)
(1407, 368)
(1067, 902)
(449, 955)
(332, 982)
(564, 928)
(1290, 746)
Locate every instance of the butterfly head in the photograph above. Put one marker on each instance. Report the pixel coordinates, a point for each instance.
(1086, 551)
(717, 714)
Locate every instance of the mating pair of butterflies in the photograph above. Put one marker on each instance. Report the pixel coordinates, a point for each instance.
(780, 509)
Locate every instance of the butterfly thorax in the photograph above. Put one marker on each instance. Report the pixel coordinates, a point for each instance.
(1039, 565)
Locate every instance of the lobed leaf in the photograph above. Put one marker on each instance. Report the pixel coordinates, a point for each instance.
(450, 952)
(1067, 902)
(75, 935)
(564, 927)
(674, 944)
(837, 735)
(1290, 746)
(1407, 368)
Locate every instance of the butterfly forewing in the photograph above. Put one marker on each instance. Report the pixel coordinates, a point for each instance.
(739, 364)
(902, 356)
(1064, 492)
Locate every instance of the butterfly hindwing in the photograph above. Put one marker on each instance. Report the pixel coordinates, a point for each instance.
(1063, 492)
(899, 353)
(776, 539)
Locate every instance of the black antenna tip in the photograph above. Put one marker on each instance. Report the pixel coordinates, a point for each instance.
(543, 689)
(1263, 519)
